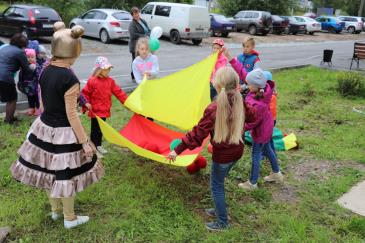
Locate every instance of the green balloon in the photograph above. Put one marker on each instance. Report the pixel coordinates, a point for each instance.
(154, 44)
(174, 144)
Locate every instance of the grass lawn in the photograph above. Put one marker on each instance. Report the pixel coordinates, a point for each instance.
(3, 6)
(142, 201)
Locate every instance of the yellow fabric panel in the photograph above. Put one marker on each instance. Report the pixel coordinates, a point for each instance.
(178, 99)
(290, 141)
(112, 136)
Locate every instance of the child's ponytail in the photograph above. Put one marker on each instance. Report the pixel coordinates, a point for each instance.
(229, 115)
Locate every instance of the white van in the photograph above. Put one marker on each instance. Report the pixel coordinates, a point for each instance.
(178, 21)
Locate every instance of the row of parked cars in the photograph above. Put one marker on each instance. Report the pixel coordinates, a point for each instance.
(261, 22)
(178, 21)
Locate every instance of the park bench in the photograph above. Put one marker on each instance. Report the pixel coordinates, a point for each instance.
(359, 53)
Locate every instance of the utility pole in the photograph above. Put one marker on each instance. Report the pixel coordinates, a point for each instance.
(361, 8)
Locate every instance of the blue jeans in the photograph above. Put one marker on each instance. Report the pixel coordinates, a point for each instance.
(217, 176)
(259, 149)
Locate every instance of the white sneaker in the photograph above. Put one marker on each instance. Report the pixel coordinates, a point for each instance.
(248, 186)
(79, 221)
(55, 216)
(102, 150)
(275, 177)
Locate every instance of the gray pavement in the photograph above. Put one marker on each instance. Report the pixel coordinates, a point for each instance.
(176, 57)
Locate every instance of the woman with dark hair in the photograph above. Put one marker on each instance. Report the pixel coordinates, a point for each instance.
(12, 59)
(138, 28)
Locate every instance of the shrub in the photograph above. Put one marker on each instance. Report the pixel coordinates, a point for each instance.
(351, 84)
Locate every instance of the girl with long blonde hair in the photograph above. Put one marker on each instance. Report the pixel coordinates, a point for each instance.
(224, 121)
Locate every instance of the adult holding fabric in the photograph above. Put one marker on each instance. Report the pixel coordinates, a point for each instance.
(138, 28)
(12, 59)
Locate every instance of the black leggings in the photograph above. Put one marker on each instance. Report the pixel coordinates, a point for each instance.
(33, 101)
(96, 135)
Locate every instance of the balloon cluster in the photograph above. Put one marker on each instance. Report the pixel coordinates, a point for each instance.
(153, 42)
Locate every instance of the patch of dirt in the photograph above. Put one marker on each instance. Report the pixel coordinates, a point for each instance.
(236, 37)
(320, 168)
(285, 194)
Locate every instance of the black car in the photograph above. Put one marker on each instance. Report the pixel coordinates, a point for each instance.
(279, 25)
(294, 26)
(30, 20)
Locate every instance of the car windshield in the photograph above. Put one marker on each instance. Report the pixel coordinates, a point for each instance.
(122, 16)
(220, 18)
(299, 19)
(310, 19)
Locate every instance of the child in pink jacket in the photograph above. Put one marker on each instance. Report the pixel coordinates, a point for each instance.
(222, 61)
(261, 129)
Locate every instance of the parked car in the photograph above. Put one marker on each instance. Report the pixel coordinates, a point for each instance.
(178, 21)
(30, 20)
(105, 24)
(331, 24)
(311, 24)
(253, 21)
(294, 26)
(220, 25)
(353, 25)
(279, 24)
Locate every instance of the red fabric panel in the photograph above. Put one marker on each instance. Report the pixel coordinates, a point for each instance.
(152, 136)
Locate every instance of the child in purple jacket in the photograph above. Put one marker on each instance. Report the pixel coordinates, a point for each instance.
(261, 128)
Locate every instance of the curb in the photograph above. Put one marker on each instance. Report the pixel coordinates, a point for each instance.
(274, 70)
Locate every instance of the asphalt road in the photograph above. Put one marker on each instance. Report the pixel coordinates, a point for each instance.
(173, 58)
(176, 57)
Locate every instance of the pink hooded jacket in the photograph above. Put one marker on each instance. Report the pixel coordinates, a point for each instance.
(261, 128)
(221, 62)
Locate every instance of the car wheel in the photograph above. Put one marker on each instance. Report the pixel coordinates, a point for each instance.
(338, 31)
(212, 34)
(175, 37)
(104, 36)
(238, 30)
(358, 32)
(351, 29)
(252, 30)
(225, 34)
(287, 31)
(331, 30)
(311, 33)
(197, 41)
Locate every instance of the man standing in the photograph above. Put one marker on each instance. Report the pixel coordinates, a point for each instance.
(138, 28)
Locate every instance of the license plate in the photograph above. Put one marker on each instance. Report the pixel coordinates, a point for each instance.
(228, 28)
(48, 26)
(199, 29)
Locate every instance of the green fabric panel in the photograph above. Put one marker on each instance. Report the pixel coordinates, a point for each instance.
(277, 137)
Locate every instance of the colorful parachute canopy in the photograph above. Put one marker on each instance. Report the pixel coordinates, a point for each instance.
(149, 140)
(281, 142)
(178, 99)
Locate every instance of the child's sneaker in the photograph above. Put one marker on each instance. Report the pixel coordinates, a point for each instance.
(55, 216)
(275, 177)
(216, 226)
(102, 150)
(248, 186)
(78, 221)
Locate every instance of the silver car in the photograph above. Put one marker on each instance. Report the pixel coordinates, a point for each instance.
(354, 25)
(105, 24)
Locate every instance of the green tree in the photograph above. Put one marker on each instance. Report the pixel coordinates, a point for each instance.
(231, 7)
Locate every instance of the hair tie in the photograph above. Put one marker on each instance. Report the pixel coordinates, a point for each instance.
(262, 90)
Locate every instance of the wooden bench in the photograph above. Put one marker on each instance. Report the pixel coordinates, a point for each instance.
(359, 53)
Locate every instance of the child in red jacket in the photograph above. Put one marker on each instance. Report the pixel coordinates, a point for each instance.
(98, 92)
(224, 121)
